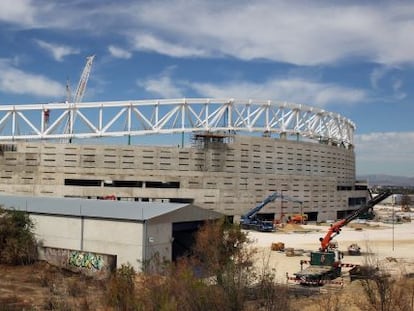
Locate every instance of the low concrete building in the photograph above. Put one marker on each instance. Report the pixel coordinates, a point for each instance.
(124, 232)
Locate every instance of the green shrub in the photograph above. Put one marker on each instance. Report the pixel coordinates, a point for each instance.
(17, 242)
(120, 291)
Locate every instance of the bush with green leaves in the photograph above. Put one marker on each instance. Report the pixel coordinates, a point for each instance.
(120, 291)
(17, 242)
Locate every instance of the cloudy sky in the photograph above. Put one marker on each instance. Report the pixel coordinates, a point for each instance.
(354, 58)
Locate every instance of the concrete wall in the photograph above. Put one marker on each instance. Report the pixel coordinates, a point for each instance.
(99, 266)
(121, 238)
(230, 178)
(159, 241)
(57, 231)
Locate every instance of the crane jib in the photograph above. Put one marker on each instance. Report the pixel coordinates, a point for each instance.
(335, 228)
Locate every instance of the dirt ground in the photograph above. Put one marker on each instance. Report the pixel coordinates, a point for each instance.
(389, 247)
(44, 287)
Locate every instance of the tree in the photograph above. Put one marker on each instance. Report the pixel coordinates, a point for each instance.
(223, 252)
(17, 242)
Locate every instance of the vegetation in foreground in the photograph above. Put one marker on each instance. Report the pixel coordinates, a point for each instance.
(217, 275)
(17, 241)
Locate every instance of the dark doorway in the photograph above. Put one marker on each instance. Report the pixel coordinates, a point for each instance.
(184, 238)
(312, 216)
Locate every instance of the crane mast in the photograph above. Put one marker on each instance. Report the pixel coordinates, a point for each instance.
(80, 92)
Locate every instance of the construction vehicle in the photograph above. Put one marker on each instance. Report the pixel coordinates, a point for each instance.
(281, 220)
(354, 250)
(251, 221)
(298, 219)
(326, 264)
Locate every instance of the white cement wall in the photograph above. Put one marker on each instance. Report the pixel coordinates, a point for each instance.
(59, 232)
(121, 238)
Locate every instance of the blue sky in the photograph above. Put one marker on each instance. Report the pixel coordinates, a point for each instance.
(351, 57)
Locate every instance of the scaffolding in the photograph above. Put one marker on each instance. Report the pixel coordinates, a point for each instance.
(215, 140)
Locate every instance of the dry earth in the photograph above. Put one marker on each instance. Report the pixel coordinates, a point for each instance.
(44, 287)
(391, 247)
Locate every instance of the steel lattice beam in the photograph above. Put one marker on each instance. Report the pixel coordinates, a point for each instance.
(143, 117)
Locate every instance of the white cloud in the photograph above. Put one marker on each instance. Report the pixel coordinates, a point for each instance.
(13, 80)
(385, 153)
(21, 12)
(163, 85)
(296, 90)
(151, 43)
(304, 33)
(297, 32)
(57, 51)
(396, 86)
(377, 75)
(385, 77)
(118, 52)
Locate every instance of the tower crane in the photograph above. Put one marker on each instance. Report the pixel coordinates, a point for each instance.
(80, 92)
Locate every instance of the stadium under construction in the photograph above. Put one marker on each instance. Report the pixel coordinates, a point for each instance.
(233, 154)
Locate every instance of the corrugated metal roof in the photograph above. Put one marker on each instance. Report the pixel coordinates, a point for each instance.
(89, 208)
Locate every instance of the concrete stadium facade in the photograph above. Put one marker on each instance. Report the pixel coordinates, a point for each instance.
(229, 174)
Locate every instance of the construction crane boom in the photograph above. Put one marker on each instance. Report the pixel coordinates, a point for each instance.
(80, 90)
(249, 220)
(335, 228)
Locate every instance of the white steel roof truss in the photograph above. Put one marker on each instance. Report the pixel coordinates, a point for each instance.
(146, 124)
(177, 115)
(22, 116)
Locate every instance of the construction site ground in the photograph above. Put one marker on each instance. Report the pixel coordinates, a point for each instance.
(41, 286)
(391, 246)
(388, 246)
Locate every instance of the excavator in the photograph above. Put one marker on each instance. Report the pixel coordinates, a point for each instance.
(325, 264)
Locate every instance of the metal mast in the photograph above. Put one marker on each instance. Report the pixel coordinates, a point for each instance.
(80, 92)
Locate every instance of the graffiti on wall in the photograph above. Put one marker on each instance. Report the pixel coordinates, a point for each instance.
(86, 260)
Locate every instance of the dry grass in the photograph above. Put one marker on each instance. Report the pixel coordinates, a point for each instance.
(43, 287)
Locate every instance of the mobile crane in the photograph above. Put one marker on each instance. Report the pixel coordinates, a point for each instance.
(326, 264)
(250, 220)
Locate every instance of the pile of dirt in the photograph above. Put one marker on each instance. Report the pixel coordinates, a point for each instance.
(290, 227)
(294, 228)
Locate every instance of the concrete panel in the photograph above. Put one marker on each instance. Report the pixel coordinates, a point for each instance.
(120, 238)
(59, 232)
(159, 241)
